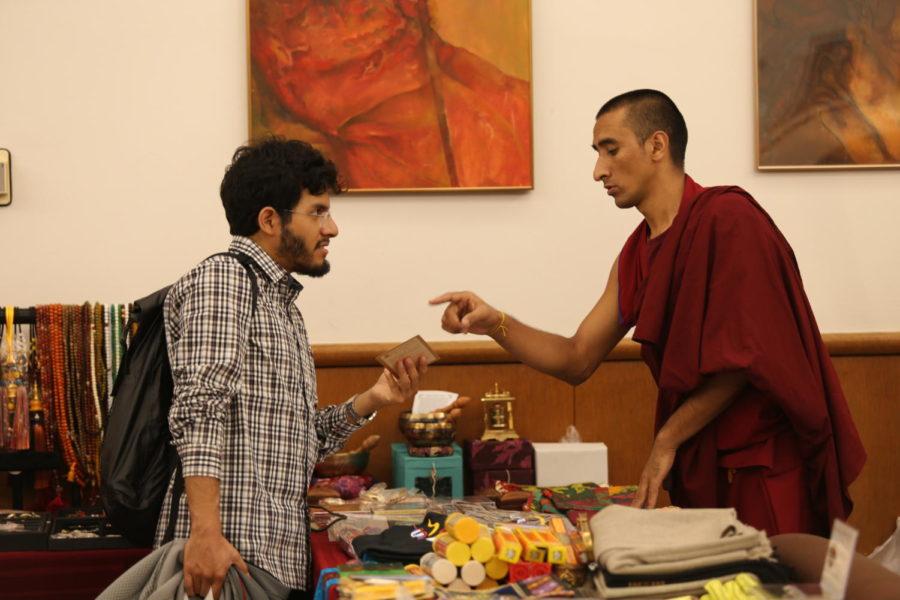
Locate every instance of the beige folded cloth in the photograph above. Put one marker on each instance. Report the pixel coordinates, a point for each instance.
(633, 541)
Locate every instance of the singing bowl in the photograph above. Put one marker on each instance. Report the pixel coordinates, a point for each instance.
(430, 429)
(343, 463)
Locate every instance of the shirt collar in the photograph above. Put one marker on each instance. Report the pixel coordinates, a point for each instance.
(267, 264)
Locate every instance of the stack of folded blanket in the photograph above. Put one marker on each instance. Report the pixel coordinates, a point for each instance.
(671, 552)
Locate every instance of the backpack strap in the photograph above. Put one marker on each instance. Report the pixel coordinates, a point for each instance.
(248, 263)
(177, 491)
(178, 487)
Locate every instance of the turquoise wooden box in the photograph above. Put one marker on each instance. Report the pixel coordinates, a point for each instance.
(408, 469)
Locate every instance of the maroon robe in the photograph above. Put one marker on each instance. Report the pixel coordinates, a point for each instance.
(719, 291)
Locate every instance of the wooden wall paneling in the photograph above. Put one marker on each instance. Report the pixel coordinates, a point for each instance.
(616, 406)
(336, 385)
(872, 387)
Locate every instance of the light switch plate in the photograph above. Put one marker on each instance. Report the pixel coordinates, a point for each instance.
(5, 177)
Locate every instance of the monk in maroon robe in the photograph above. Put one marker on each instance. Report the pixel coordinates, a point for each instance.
(750, 413)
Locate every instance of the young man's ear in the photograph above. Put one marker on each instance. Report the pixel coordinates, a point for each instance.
(269, 221)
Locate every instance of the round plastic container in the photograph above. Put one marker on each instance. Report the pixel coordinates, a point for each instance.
(441, 570)
(452, 549)
(463, 528)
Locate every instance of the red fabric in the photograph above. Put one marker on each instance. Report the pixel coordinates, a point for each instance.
(83, 574)
(325, 554)
(721, 291)
(63, 575)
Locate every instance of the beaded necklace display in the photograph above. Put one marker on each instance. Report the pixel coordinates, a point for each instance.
(90, 401)
(99, 365)
(81, 356)
(43, 343)
(107, 338)
(80, 396)
(73, 388)
(90, 418)
(36, 411)
(60, 392)
(115, 328)
(92, 366)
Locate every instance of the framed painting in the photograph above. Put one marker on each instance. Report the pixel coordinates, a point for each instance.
(400, 94)
(828, 84)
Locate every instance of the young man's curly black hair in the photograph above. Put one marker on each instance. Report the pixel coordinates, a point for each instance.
(273, 172)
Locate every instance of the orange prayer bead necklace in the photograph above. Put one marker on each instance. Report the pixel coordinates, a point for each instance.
(57, 351)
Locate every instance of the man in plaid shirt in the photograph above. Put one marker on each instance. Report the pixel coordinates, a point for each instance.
(244, 417)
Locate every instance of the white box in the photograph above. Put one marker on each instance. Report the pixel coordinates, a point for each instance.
(562, 464)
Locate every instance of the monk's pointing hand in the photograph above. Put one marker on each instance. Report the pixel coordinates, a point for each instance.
(467, 313)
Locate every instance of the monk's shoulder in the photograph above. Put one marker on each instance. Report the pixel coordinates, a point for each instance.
(730, 207)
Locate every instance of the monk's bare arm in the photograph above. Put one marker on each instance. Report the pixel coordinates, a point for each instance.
(571, 359)
(702, 406)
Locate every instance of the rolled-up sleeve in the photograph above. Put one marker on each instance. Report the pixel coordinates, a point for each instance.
(207, 328)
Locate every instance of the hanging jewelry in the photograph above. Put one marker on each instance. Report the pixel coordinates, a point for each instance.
(11, 378)
(43, 344)
(92, 367)
(36, 417)
(60, 393)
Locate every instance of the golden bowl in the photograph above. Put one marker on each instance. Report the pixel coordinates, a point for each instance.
(429, 429)
(343, 463)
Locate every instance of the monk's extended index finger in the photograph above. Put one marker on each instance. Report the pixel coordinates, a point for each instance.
(447, 297)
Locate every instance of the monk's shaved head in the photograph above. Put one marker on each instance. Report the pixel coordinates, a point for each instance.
(649, 111)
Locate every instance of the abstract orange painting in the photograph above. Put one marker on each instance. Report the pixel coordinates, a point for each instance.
(828, 83)
(401, 94)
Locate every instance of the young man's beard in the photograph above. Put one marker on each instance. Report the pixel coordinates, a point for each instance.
(294, 249)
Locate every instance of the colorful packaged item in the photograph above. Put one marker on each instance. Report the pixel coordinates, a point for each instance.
(472, 573)
(464, 528)
(452, 549)
(483, 547)
(526, 570)
(506, 545)
(439, 568)
(496, 568)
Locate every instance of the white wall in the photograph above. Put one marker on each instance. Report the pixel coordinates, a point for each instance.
(121, 117)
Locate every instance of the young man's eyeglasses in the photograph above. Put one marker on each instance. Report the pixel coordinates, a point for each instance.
(321, 215)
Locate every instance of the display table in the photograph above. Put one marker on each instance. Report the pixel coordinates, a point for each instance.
(63, 574)
(83, 574)
(325, 554)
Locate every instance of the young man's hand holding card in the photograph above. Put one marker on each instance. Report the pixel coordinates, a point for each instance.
(413, 348)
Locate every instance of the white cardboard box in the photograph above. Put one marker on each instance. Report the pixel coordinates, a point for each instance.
(562, 464)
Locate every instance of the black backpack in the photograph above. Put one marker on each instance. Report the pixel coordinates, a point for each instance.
(136, 457)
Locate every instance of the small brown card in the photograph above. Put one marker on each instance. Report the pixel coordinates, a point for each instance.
(413, 348)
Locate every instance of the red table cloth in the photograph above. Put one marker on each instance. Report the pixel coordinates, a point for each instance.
(63, 574)
(83, 574)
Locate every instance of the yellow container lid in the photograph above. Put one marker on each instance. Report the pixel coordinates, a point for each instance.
(465, 529)
(483, 549)
(496, 568)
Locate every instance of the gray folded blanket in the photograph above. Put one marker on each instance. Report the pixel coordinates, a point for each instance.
(160, 576)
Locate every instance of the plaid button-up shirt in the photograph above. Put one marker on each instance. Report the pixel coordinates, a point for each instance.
(245, 408)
